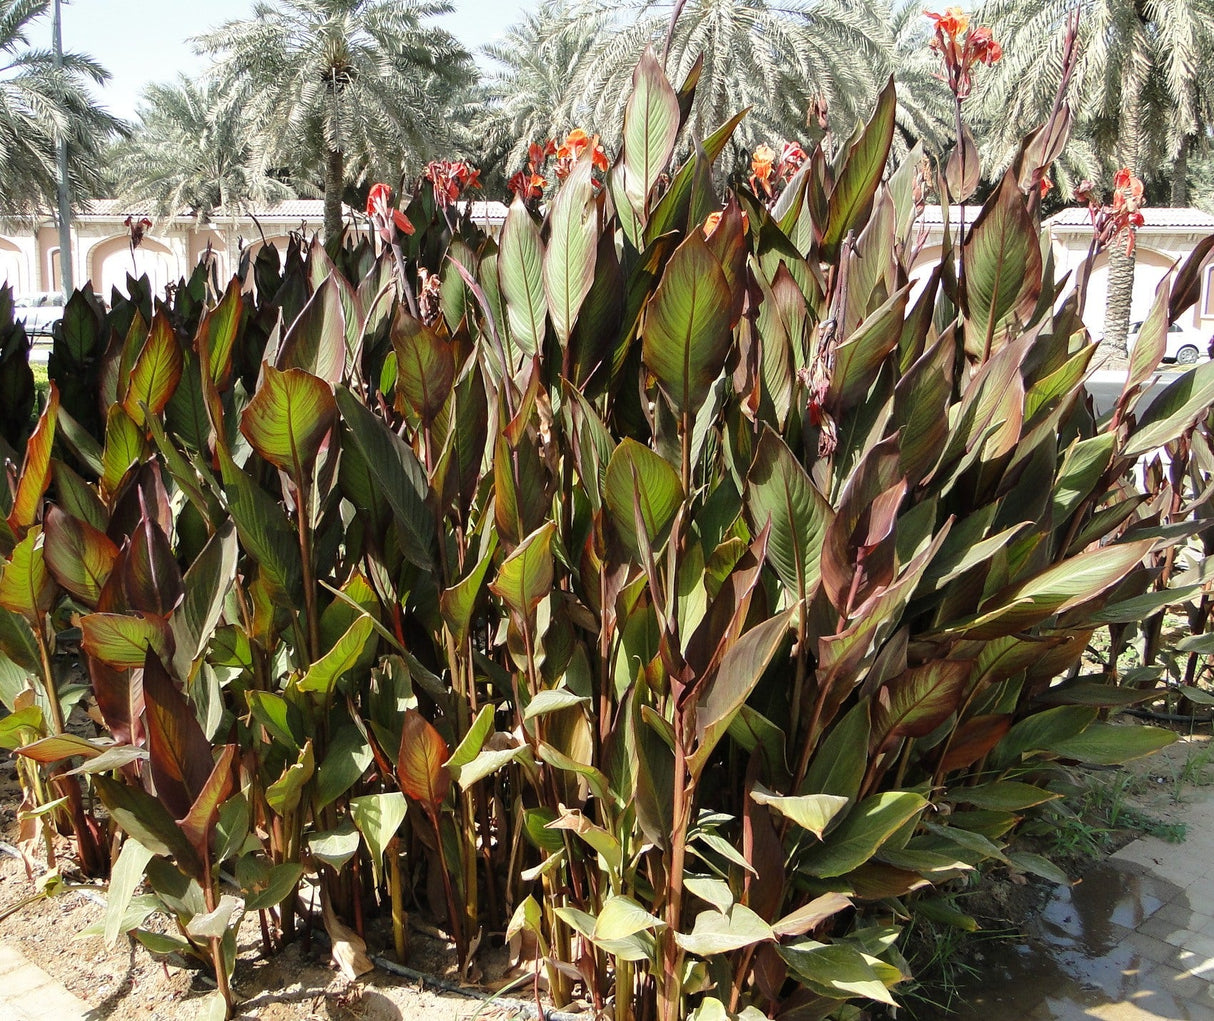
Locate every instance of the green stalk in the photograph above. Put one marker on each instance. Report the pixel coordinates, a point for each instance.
(396, 893)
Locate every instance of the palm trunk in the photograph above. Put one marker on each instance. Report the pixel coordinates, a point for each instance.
(1121, 264)
(335, 179)
(1180, 175)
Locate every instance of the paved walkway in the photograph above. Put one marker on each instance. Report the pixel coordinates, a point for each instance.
(1134, 941)
(27, 993)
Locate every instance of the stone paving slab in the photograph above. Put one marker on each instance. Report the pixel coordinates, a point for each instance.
(27, 993)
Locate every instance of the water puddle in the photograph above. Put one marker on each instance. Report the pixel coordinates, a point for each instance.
(1076, 956)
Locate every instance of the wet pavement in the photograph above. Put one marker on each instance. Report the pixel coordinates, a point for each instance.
(1133, 941)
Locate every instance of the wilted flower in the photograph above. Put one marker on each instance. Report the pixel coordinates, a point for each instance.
(385, 218)
(960, 49)
(1122, 216)
(767, 170)
(136, 229)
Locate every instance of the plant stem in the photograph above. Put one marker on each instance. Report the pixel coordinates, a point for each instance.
(396, 893)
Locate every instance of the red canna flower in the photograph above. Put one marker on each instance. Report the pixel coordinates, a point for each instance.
(1122, 217)
(575, 143)
(960, 49)
(450, 179)
(385, 218)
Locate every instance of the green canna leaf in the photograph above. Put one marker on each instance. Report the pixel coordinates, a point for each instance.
(780, 492)
(122, 640)
(651, 126)
(686, 331)
(520, 268)
(156, 372)
(636, 475)
(288, 419)
(26, 585)
(420, 762)
(425, 366)
(78, 555)
(572, 245)
(525, 576)
(36, 468)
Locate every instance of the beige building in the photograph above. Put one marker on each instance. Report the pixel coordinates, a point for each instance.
(171, 248)
(1166, 239)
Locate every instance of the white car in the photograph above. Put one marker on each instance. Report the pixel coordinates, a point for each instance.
(40, 312)
(1184, 345)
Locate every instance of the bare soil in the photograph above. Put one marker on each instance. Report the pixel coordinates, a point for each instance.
(300, 983)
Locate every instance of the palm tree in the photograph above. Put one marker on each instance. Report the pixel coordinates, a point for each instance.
(345, 89)
(537, 60)
(193, 151)
(1133, 88)
(775, 60)
(40, 105)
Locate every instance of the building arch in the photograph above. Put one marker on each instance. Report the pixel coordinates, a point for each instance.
(14, 267)
(110, 261)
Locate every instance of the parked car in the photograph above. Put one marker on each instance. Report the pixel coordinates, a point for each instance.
(41, 313)
(1184, 344)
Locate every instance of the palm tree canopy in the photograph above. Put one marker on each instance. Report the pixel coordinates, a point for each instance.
(773, 59)
(364, 78)
(537, 59)
(192, 151)
(41, 104)
(1141, 64)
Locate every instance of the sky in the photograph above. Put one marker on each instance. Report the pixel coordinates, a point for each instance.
(140, 41)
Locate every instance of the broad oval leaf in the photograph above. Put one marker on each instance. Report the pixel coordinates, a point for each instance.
(572, 247)
(779, 491)
(716, 932)
(855, 840)
(420, 762)
(288, 418)
(525, 576)
(425, 366)
(156, 373)
(686, 334)
(378, 817)
(26, 586)
(123, 640)
(651, 126)
(636, 475)
(36, 468)
(520, 270)
(813, 812)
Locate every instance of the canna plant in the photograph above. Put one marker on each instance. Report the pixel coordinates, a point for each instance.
(674, 582)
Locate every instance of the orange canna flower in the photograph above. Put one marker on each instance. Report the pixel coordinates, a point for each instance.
(762, 162)
(573, 146)
(384, 217)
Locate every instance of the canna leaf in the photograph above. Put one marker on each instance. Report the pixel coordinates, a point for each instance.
(651, 126)
(856, 839)
(520, 268)
(686, 331)
(397, 473)
(26, 586)
(861, 174)
(288, 419)
(354, 649)
(36, 468)
(420, 762)
(378, 817)
(123, 640)
(425, 366)
(525, 576)
(572, 246)
(779, 492)
(217, 332)
(740, 670)
(181, 762)
(813, 812)
(156, 372)
(635, 474)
